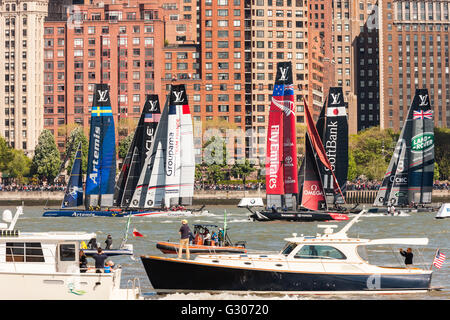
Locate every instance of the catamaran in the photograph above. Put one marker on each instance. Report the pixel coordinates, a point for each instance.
(291, 194)
(408, 181)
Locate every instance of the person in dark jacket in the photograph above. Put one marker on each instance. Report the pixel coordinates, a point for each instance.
(408, 256)
(184, 239)
(99, 258)
(108, 242)
(83, 262)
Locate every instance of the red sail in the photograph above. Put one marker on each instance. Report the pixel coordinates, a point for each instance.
(289, 142)
(274, 153)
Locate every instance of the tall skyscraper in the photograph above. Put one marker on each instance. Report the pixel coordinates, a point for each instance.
(22, 72)
(414, 53)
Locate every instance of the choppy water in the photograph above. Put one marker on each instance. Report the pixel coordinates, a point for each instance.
(259, 236)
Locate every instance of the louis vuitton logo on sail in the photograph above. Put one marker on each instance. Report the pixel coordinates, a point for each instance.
(423, 100)
(335, 97)
(178, 96)
(102, 95)
(284, 73)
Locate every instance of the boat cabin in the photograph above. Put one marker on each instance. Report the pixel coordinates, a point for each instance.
(45, 252)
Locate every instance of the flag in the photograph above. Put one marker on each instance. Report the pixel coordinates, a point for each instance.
(423, 114)
(439, 259)
(137, 233)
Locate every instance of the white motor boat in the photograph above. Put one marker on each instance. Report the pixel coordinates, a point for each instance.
(327, 263)
(45, 266)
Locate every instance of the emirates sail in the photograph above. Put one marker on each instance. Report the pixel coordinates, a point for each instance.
(281, 157)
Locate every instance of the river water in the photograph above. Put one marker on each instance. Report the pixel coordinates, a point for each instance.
(267, 236)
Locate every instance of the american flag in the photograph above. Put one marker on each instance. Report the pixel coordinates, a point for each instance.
(439, 259)
(423, 114)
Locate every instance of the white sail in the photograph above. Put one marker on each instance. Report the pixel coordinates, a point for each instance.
(156, 191)
(187, 156)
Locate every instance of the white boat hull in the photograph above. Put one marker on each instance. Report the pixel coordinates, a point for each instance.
(63, 286)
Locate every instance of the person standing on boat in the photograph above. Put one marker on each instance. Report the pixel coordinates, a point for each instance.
(108, 242)
(184, 239)
(83, 262)
(408, 256)
(99, 258)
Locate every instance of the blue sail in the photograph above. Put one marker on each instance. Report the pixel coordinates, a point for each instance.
(73, 197)
(101, 169)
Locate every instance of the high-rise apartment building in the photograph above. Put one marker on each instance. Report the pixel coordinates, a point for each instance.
(21, 72)
(414, 53)
(355, 46)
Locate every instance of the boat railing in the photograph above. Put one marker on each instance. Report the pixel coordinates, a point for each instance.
(135, 287)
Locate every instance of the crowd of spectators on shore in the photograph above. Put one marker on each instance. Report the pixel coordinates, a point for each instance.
(351, 186)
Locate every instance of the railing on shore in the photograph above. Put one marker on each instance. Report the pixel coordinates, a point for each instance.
(200, 196)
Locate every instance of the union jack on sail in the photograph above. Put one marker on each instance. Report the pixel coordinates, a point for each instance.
(421, 114)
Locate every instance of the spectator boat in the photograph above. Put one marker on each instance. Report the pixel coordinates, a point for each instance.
(199, 245)
(321, 264)
(45, 265)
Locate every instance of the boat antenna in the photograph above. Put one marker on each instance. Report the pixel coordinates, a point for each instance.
(344, 230)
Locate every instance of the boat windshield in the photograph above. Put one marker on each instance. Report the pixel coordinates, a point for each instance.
(319, 252)
(288, 248)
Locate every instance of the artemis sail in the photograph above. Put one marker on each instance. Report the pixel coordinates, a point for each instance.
(409, 177)
(281, 158)
(138, 151)
(168, 175)
(101, 169)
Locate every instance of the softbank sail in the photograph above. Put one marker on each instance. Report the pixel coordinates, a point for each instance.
(101, 169)
(281, 160)
(332, 127)
(138, 151)
(409, 177)
(167, 177)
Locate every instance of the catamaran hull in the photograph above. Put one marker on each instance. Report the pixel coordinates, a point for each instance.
(118, 214)
(172, 274)
(173, 248)
(298, 216)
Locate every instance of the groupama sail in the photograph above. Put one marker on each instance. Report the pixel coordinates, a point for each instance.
(73, 196)
(281, 157)
(101, 168)
(138, 151)
(168, 175)
(409, 177)
(332, 127)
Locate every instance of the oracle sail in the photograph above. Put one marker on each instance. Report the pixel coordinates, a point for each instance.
(311, 189)
(168, 175)
(281, 159)
(73, 196)
(101, 169)
(409, 177)
(138, 151)
(332, 127)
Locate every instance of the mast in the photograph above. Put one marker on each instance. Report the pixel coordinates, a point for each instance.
(332, 127)
(409, 176)
(281, 154)
(101, 170)
(137, 152)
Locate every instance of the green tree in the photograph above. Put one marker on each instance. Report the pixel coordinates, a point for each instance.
(6, 155)
(242, 170)
(76, 137)
(215, 173)
(124, 145)
(19, 167)
(46, 161)
(442, 152)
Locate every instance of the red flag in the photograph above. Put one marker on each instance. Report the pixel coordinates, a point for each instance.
(137, 233)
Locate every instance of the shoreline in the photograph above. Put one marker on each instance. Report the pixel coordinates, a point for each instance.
(201, 197)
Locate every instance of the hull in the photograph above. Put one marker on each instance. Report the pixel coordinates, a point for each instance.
(170, 274)
(116, 214)
(62, 286)
(172, 248)
(384, 210)
(109, 253)
(300, 216)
